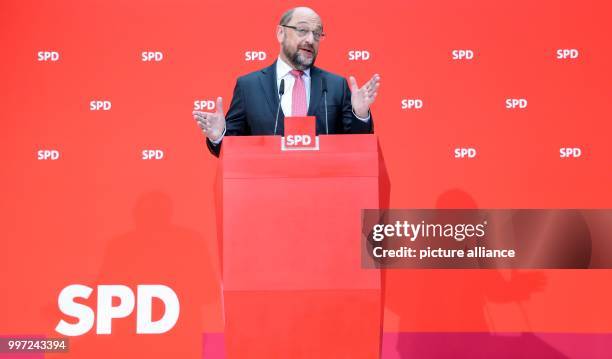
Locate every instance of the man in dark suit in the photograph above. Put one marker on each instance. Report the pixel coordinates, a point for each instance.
(256, 95)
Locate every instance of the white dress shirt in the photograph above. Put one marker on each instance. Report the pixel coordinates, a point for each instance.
(283, 71)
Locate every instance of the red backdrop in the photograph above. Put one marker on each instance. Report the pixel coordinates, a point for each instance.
(100, 214)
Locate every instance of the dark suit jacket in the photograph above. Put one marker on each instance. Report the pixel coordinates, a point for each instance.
(255, 100)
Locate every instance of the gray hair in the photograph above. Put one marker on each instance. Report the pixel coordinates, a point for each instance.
(284, 20)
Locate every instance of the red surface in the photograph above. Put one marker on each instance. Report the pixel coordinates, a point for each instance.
(292, 273)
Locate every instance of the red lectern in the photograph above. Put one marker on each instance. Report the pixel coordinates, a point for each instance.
(290, 232)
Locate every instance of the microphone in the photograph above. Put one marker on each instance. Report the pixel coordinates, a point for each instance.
(281, 91)
(324, 88)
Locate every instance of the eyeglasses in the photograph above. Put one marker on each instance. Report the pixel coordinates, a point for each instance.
(303, 32)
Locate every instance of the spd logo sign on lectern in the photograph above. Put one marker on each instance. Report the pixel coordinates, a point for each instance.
(300, 134)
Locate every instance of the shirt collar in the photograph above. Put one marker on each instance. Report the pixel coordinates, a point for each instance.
(282, 69)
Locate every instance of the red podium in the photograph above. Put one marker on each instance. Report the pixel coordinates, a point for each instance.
(290, 232)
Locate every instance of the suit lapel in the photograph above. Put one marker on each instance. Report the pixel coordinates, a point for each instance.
(270, 89)
(315, 90)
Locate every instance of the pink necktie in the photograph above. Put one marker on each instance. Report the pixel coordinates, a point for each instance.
(298, 101)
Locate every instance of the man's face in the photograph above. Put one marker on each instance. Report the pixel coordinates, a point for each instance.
(301, 51)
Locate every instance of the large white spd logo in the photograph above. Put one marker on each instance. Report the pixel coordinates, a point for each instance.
(107, 312)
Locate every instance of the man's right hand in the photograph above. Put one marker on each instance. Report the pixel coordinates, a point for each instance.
(211, 123)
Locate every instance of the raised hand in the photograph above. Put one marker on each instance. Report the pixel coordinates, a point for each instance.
(362, 98)
(211, 123)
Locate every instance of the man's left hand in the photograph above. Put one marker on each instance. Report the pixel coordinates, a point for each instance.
(362, 98)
